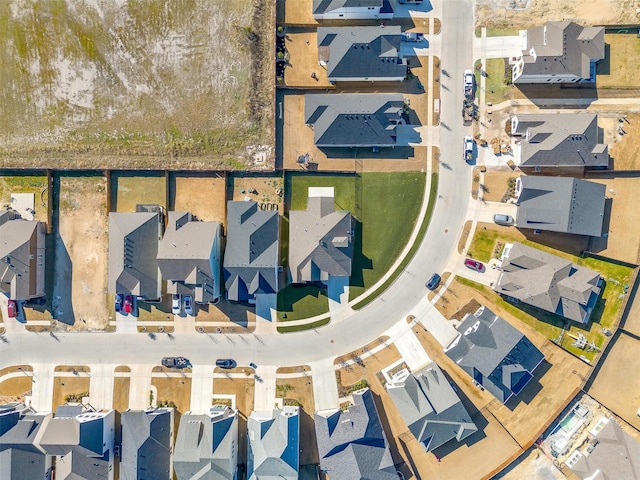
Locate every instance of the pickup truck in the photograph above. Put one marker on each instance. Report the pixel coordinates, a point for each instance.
(468, 149)
(468, 85)
(175, 362)
(467, 112)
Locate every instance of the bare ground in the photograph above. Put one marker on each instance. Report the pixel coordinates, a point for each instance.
(204, 197)
(176, 390)
(126, 85)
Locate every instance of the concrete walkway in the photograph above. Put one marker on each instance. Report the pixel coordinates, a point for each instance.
(325, 388)
(265, 388)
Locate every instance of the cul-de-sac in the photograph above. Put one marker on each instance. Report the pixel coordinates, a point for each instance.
(319, 239)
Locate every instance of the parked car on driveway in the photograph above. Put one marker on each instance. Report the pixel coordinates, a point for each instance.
(117, 304)
(473, 264)
(433, 282)
(12, 309)
(128, 304)
(188, 305)
(504, 220)
(226, 363)
(176, 304)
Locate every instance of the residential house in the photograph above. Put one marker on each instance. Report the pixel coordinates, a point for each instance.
(494, 354)
(609, 452)
(320, 239)
(560, 204)
(133, 247)
(352, 444)
(559, 143)
(356, 54)
(352, 9)
(560, 52)
(82, 443)
(147, 440)
(252, 250)
(21, 257)
(548, 282)
(207, 445)
(430, 407)
(374, 120)
(20, 456)
(273, 444)
(189, 257)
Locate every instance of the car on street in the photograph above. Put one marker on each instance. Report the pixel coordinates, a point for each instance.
(504, 220)
(176, 304)
(117, 303)
(12, 309)
(188, 305)
(253, 365)
(473, 264)
(226, 363)
(433, 282)
(128, 304)
(175, 362)
(468, 149)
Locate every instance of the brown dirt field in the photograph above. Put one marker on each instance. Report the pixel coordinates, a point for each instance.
(131, 190)
(121, 386)
(63, 386)
(204, 197)
(624, 151)
(369, 367)
(298, 140)
(492, 13)
(264, 190)
(299, 12)
(243, 389)
(495, 184)
(72, 368)
(172, 389)
(298, 369)
(368, 347)
(623, 242)
(303, 59)
(122, 369)
(534, 464)
(240, 317)
(620, 68)
(81, 254)
(302, 391)
(15, 387)
(614, 378)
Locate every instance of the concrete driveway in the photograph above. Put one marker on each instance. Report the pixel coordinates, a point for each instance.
(408, 345)
(489, 209)
(265, 388)
(325, 388)
(498, 47)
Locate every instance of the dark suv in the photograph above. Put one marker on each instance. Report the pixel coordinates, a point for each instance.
(226, 363)
(433, 282)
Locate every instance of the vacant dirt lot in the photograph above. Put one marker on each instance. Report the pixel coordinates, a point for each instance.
(121, 84)
(303, 60)
(176, 390)
(495, 184)
(500, 14)
(81, 243)
(623, 148)
(67, 386)
(618, 68)
(615, 386)
(204, 197)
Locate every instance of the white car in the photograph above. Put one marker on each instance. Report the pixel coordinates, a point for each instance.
(468, 149)
(188, 305)
(176, 304)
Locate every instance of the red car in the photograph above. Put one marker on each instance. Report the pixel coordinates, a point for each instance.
(473, 264)
(12, 309)
(128, 304)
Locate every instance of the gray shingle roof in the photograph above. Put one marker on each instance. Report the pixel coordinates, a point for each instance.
(207, 445)
(133, 246)
(146, 444)
(188, 257)
(560, 139)
(354, 120)
(616, 456)
(549, 282)
(353, 442)
(494, 354)
(20, 458)
(430, 407)
(353, 53)
(21, 257)
(320, 239)
(251, 254)
(561, 204)
(273, 444)
(562, 48)
(327, 6)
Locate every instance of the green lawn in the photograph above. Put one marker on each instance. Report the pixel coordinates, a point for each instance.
(385, 206)
(604, 314)
(496, 90)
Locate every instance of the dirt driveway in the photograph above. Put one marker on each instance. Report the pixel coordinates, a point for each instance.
(80, 252)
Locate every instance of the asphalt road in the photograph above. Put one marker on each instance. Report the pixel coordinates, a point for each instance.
(404, 297)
